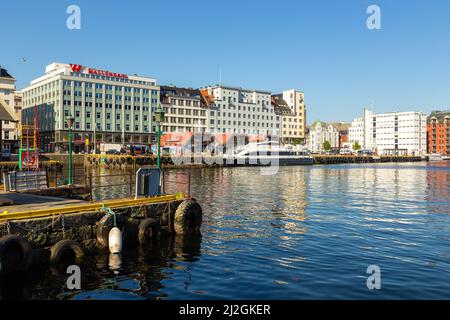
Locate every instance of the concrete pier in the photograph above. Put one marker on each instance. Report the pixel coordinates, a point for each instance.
(124, 162)
(49, 224)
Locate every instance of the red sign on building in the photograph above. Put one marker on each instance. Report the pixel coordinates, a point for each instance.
(78, 68)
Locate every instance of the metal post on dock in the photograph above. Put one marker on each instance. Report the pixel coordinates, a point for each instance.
(90, 189)
(159, 119)
(189, 183)
(131, 183)
(70, 120)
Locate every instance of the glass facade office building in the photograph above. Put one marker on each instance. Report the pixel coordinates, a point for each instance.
(107, 107)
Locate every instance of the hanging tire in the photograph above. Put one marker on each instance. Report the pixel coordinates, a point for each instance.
(66, 252)
(15, 254)
(104, 227)
(148, 230)
(188, 217)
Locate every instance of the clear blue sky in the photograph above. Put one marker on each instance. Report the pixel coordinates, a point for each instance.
(320, 47)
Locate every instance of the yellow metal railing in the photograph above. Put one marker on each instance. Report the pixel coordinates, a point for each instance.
(77, 208)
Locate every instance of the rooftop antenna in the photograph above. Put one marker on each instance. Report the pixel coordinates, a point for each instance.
(220, 76)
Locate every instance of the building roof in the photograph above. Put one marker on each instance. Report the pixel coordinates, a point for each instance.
(280, 106)
(340, 126)
(4, 73)
(203, 95)
(240, 89)
(439, 115)
(208, 99)
(180, 92)
(6, 113)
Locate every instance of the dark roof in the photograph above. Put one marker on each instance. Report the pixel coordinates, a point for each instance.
(280, 106)
(171, 91)
(439, 115)
(180, 92)
(4, 73)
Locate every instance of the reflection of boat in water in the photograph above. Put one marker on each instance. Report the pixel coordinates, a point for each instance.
(435, 157)
(269, 153)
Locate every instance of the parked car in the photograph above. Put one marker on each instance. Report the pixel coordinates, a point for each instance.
(333, 152)
(113, 152)
(345, 152)
(365, 153)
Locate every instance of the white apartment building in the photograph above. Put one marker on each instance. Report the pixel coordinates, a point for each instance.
(108, 107)
(294, 128)
(394, 133)
(186, 110)
(12, 100)
(242, 111)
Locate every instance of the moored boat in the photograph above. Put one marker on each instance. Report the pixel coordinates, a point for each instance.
(269, 153)
(435, 157)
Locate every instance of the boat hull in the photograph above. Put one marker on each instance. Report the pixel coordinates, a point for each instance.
(270, 161)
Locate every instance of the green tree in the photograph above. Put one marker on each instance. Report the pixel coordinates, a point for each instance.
(296, 141)
(327, 145)
(356, 146)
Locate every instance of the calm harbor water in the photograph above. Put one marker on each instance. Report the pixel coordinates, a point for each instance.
(304, 233)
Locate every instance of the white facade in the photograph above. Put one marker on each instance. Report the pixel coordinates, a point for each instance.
(396, 133)
(321, 132)
(241, 111)
(185, 110)
(13, 100)
(115, 107)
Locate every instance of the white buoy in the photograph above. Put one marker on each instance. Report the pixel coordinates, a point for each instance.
(115, 262)
(115, 240)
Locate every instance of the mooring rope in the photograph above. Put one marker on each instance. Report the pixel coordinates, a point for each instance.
(110, 212)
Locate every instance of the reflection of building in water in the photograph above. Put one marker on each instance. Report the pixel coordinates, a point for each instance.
(438, 188)
(231, 197)
(368, 187)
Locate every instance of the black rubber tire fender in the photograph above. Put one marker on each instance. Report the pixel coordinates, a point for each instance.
(148, 230)
(105, 225)
(22, 248)
(62, 247)
(188, 217)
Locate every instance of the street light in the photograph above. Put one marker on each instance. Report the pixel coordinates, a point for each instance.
(70, 120)
(159, 119)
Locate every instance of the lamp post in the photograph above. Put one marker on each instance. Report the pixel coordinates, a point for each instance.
(70, 120)
(159, 119)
